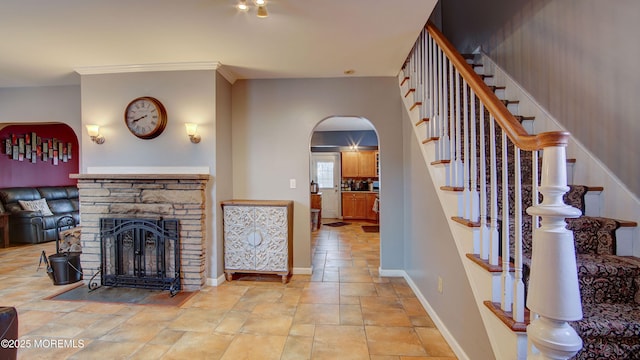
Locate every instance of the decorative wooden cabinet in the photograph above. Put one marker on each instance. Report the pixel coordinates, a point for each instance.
(359, 164)
(258, 237)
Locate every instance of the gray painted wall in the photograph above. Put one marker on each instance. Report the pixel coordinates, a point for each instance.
(430, 251)
(188, 96)
(42, 104)
(223, 172)
(273, 121)
(576, 57)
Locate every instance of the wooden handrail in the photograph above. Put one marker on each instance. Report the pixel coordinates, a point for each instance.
(509, 124)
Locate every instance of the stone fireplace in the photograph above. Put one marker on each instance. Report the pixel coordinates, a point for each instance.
(175, 196)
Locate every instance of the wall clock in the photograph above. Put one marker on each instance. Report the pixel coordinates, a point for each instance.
(145, 117)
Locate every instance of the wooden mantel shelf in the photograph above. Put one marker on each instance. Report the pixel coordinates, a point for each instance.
(140, 176)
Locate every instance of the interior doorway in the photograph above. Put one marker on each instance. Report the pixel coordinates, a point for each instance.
(325, 168)
(344, 164)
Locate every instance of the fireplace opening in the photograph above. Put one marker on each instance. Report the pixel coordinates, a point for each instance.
(140, 253)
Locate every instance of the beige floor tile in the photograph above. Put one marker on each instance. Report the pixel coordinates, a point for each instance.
(134, 332)
(232, 322)
(413, 307)
(34, 319)
(317, 314)
(196, 319)
(297, 348)
(321, 293)
(388, 317)
(99, 349)
(306, 330)
(261, 324)
(101, 328)
(166, 337)
(358, 289)
(250, 346)
(199, 345)
(340, 342)
(150, 351)
(345, 309)
(400, 341)
(434, 342)
(351, 315)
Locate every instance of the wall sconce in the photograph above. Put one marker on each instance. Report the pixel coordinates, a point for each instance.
(94, 133)
(192, 131)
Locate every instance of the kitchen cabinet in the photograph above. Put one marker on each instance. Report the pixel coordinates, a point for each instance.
(258, 237)
(370, 200)
(316, 203)
(359, 164)
(350, 164)
(367, 164)
(354, 205)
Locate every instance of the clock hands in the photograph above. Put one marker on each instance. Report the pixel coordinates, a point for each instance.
(140, 118)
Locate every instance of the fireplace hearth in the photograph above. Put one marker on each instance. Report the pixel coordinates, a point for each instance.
(140, 253)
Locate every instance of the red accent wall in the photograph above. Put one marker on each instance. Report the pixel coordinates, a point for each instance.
(15, 173)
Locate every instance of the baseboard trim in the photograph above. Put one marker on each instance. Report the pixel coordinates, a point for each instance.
(457, 349)
(217, 281)
(303, 271)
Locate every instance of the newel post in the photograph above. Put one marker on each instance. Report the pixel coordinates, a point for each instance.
(554, 293)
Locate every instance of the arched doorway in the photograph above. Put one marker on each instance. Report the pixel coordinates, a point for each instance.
(344, 170)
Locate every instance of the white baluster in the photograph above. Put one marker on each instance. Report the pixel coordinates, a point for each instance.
(553, 286)
(485, 241)
(465, 125)
(458, 152)
(473, 160)
(518, 286)
(507, 279)
(493, 228)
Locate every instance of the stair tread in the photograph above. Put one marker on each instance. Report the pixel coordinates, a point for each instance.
(609, 320)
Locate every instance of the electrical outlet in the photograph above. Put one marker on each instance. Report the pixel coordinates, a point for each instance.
(292, 183)
(439, 284)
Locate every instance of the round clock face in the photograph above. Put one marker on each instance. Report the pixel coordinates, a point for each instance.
(145, 117)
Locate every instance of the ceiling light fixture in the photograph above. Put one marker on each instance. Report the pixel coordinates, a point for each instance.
(260, 4)
(242, 5)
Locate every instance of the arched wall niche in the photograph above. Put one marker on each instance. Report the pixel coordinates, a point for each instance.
(41, 172)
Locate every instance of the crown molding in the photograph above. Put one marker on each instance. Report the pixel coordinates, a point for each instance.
(115, 69)
(227, 74)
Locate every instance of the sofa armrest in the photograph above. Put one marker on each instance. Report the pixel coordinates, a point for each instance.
(27, 227)
(8, 331)
(26, 214)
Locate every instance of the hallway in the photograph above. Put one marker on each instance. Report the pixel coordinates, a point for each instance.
(343, 311)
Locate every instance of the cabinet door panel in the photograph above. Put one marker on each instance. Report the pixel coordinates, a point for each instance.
(271, 254)
(349, 164)
(360, 206)
(367, 164)
(238, 235)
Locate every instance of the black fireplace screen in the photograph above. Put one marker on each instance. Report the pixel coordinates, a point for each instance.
(140, 253)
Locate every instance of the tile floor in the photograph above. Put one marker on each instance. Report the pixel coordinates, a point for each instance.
(344, 310)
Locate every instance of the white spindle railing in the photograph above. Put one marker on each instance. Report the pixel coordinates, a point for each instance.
(454, 100)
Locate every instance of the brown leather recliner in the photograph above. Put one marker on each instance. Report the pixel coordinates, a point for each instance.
(33, 226)
(8, 331)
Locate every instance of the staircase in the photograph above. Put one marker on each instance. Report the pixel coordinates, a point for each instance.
(573, 278)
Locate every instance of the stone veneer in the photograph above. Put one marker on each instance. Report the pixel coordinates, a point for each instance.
(148, 196)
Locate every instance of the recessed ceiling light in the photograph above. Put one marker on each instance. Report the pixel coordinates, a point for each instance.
(349, 72)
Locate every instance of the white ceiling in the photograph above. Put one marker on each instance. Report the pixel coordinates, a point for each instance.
(43, 41)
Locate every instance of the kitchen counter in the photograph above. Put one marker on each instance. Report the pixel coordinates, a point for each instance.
(360, 191)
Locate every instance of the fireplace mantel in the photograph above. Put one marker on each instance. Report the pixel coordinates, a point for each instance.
(132, 176)
(170, 193)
